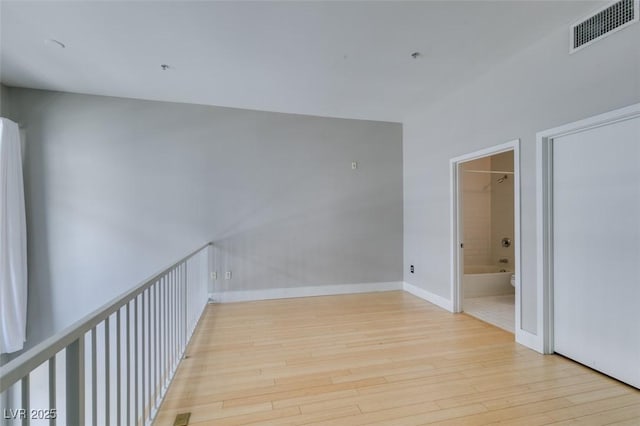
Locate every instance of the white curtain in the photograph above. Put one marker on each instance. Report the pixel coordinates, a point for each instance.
(13, 241)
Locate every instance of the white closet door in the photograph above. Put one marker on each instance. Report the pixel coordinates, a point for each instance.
(596, 243)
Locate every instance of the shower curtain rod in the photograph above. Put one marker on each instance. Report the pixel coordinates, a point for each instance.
(489, 171)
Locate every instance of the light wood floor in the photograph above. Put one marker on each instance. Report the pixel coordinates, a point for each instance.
(379, 358)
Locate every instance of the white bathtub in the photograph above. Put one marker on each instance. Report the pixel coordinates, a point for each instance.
(481, 280)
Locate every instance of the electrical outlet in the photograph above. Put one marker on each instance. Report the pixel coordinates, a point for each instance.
(411, 269)
(214, 275)
(227, 275)
(354, 165)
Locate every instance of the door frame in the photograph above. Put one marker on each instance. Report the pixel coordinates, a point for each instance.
(457, 222)
(544, 213)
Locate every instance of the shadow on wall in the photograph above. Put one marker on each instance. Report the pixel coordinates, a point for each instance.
(40, 309)
(119, 188)
(292, 248)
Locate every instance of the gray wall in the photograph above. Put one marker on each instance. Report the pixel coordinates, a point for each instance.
(118, 188)
(540, 88)
(4, 106)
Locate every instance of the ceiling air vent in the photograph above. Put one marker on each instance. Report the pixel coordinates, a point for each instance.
(600, 24)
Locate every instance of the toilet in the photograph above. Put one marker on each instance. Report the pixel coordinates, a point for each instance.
(513, 280)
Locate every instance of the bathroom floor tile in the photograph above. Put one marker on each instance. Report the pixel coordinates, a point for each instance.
(496, 310)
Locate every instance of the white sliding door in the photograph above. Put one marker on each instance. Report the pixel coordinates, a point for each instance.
(596, 248)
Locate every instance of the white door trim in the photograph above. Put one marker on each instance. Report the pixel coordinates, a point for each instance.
(544, 204)
(522, 336)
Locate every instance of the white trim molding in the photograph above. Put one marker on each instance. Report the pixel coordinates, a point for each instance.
(522, 336)
(544, 212)
(530, 340)
(292, 292)
(428, 296)
(328, 290)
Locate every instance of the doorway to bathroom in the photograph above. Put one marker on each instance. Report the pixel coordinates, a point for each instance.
(486, 235)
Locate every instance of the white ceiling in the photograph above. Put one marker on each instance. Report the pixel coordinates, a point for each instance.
(340, 59)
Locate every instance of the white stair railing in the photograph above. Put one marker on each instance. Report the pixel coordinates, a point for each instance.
(114, 366)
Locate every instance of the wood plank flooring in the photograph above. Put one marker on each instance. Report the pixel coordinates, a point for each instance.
(379, 359)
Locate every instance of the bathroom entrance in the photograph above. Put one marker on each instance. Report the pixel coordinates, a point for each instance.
(486, 242)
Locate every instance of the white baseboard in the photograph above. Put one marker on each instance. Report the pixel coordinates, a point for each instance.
(523, 337)
(287, 293)
(530, 340)
(428, 296)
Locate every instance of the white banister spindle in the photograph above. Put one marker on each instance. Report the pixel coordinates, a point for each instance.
(174, 340)
(118, 370)
(178, 311)
(52, 389)
(167, 326)
(94, 376)
(149, 370)
(180, 308)
(169, 320)
(135, 363)
(74, 369)
(185, 294)
(25, 390)
(143, 357)
(156, 346)
(128, 354)
(175, 317)
(163, 351)
(107, 373)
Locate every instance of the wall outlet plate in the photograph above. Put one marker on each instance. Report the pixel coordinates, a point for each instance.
(214, 275)
(227, 275)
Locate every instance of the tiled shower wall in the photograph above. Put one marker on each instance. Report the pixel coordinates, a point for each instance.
(502, 211)
(477, 212)
(488, 211)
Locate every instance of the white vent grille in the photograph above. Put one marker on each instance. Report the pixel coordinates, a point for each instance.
(600, 24)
